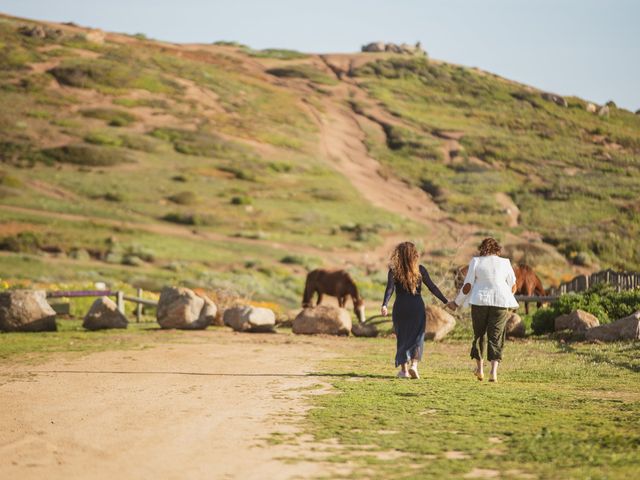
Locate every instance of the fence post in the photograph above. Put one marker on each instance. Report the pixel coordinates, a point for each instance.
(120, 301)
(139, 306)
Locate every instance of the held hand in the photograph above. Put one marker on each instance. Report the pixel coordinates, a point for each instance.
(384, 311)
(452, 305)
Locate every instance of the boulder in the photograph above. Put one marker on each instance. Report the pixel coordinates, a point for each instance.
(557, 99)
(250, 319)
(40, 31)
(591, 108)
(325, 319)
(26, 311)
(95, 36)
(515, 326)
(627, 328)
(103, 314)
(180, 308)
(439, 323)
(209, 312)
(393, 48)
(577, 321)
(362, 329)
(373, 47)
(603, 111)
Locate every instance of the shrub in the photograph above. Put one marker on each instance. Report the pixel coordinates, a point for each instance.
(88, 155)
(184, 198)
(190, 219)
(542, 320)
(303, 71)
(114, 117)
(23, 242)
(202, 144)
(103, 138)
(241, 200)
(7, 180)
(278, 53)
(138, 142)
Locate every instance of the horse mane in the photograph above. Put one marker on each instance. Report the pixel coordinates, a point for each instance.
(309, 288)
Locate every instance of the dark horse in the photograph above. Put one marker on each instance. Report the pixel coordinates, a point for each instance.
(336, 283)
(527, 282)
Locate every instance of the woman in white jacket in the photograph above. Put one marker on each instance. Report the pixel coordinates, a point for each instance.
(488, 288)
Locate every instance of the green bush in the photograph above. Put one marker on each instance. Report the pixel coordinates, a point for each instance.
(114, 117)
(88, 155)
(601, 300)
(241, 200)
(202, 144)
(103, 138)
(278, 53)
(184, 198)
(190, 219)
(303, 71)
(23, 242)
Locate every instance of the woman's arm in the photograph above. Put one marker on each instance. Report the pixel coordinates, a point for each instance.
(433, 288)
(468, 283)
(389, 290)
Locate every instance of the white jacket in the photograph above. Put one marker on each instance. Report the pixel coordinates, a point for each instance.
(491, 279)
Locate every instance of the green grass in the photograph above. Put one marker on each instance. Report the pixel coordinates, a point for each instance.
(558, 411)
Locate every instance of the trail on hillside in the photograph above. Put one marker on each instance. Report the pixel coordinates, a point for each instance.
(179, 410)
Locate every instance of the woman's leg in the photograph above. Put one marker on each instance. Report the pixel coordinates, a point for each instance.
(479, 322)
(496, 331)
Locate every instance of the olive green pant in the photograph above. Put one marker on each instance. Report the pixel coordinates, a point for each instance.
(490, 322)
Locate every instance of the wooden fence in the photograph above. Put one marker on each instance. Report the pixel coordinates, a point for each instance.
(619, 280)
(118, 294)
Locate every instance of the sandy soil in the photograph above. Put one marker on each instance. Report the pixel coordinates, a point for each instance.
(196, 410)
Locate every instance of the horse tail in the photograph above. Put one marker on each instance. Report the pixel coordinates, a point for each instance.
(309, 288)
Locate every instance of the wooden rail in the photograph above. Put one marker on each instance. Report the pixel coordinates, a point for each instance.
(119, 294)
(619, 280)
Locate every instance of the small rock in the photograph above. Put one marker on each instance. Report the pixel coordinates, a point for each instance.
(26, 311)
(627, 328)
(577, 321)
(103, 314)
(515, 326)
(374, 47)
(557, 99)
(250, 319)
(209, 312)
(325, 319)
(439, 323)
(363, 329)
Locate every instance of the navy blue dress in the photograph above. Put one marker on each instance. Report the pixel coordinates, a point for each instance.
(409, 316)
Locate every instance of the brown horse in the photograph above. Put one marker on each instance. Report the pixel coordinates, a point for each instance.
(527, 282)
(336, 283)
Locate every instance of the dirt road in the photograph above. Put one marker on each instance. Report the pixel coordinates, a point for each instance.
(175, 411)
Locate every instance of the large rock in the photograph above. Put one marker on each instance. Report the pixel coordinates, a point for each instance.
(591, 108)
(26, 311)
(603, 111)
(374, 47)
(577, 321)
(515, 326)
(325, 319)
(181, 308)
(104, 313)
(627, 328)
(209, 312)
(439, 323)
(362, 329)
(557, 99)
(250, 319)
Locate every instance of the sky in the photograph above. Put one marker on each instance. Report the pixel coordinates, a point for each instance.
(587, 48)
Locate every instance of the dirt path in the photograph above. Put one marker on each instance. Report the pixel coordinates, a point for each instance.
(196, 410)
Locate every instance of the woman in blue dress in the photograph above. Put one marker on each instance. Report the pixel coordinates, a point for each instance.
(409, 317)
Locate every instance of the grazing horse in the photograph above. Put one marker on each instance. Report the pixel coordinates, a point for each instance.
(336, 283)
(527, 282)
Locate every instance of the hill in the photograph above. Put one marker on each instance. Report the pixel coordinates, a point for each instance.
(124, 158)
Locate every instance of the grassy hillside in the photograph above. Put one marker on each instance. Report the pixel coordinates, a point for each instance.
(125, 158)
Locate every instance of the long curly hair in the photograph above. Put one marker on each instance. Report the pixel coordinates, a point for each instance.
(489, 246)
(404, 266)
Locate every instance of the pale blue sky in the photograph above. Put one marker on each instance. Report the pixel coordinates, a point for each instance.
(587, 48)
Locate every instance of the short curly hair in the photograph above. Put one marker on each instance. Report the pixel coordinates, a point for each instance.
(489, 246)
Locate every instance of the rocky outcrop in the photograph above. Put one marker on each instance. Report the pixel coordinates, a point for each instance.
(104, 314)
(322, 319)
(627, 328)
(577, 321)
(181, 308)
(557, 99)
(515, 326)
(26, 311)
(41, 32)
(603, 111)
(250, 319)
(95, 36)
(591, 108)
(403, 48)
(363, 329)
(439, 323)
